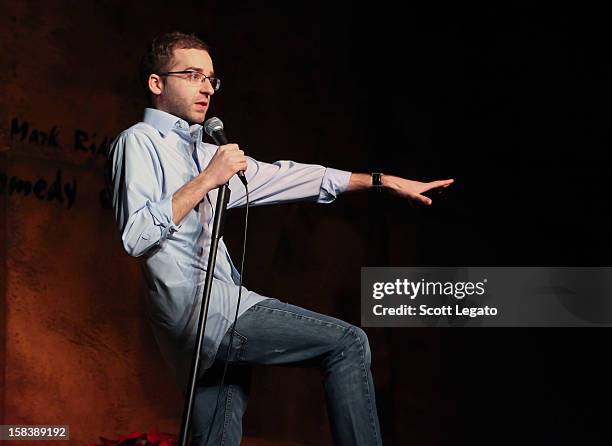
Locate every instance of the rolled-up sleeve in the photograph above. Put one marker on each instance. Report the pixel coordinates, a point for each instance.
(142, 212)
(287, 181)
(334, 183)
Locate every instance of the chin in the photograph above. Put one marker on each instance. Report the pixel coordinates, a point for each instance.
(198, 118)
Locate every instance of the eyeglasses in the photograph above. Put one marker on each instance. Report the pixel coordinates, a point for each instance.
(196, 78)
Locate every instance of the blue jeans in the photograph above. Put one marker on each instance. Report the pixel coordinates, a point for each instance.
(277, 333)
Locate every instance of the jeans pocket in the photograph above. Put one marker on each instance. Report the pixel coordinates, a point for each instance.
(238, 344)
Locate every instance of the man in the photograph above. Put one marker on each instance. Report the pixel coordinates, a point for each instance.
(165, 182)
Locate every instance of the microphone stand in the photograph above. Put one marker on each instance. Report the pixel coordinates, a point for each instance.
(217, 233)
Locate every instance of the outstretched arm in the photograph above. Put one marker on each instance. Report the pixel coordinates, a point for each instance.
(410, 189)
(286, 181)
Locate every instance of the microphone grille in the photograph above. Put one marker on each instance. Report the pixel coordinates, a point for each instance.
(212, 125)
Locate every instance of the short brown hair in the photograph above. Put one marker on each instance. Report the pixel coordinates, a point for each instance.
(159, 55)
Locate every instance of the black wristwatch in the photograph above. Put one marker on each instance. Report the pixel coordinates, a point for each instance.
(377, 180)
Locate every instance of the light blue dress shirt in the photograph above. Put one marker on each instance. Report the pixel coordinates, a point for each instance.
(150, 161)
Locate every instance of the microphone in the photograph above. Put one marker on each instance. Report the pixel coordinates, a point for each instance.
(214, 128)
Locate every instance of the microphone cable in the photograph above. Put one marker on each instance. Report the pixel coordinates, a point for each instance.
(233, 326)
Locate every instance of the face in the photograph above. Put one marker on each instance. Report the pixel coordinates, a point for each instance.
(176, 95)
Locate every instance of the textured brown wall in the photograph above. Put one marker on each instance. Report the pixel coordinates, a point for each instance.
(3, 233)
(75, 348)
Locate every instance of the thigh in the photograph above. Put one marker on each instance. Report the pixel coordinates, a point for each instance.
(278, 333)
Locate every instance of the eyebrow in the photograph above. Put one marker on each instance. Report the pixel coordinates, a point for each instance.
(212, 73)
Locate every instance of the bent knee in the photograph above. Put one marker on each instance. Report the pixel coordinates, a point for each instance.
(361, 338)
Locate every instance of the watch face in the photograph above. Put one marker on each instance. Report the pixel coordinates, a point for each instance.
(376, 180)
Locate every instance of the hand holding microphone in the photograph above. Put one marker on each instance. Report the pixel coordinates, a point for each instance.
(225, 163)
(228, 160)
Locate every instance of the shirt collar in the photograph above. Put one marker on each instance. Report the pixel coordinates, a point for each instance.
(165, 123)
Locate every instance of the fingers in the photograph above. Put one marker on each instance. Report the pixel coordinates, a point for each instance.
(433, 185)
(225, 163)
(436, 184)
(229, 149)
(424, 200)
(441, 183)
(232, 156)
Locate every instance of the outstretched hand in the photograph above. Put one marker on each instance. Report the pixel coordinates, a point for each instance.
(413, 190)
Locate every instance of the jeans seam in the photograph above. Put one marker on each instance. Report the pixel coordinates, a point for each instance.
(228, 412)
(365, 380)
(300, 316)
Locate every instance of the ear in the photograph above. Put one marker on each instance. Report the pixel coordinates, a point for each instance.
(156, 84)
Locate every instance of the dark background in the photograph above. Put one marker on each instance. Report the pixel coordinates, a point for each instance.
(512, 102)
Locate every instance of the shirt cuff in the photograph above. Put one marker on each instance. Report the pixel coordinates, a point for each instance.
(162, 216)
(334, 183)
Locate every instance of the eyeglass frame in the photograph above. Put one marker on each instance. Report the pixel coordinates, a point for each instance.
(217, 80)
